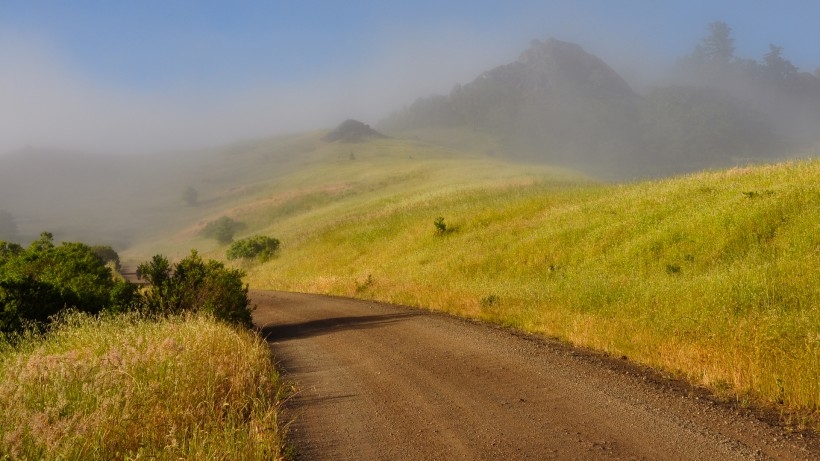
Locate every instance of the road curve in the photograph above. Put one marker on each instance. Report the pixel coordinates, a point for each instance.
(380, 382)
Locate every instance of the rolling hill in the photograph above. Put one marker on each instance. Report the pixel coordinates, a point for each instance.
(714, 276)
(556, 105)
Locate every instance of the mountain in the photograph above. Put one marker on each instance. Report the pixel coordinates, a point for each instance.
(545, 105)
(561, 105)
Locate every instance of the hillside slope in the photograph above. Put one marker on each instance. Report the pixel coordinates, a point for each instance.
(714, 276)
(330, 182)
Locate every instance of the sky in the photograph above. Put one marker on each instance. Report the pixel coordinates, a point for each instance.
(131, 77)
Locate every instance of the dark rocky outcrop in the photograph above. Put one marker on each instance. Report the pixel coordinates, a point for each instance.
(352, 131)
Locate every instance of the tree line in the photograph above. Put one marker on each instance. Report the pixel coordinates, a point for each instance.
(41, 280)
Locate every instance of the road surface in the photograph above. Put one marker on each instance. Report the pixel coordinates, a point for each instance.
(380, 382)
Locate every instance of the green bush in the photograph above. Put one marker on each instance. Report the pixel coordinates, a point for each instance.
(43, 279)
(223, 229)
(193, 285)
(257, 246)
(441, 227)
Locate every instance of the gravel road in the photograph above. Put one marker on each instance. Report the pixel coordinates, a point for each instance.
(381, 382)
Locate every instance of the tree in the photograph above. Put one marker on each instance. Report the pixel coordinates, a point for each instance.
(257, 246)
(108, 255)
(190, 196)
(718, 46)
(692, 127)
(43, 279)
(9, 250)
(195, 285)
(775, 66)
(223, 229)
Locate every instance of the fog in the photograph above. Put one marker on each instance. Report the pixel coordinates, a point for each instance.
(91, 157)
(48, 102)
(285, 73)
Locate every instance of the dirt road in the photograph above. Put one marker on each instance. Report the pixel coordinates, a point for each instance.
(384, 382)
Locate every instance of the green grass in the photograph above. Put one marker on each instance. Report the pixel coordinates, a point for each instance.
(128, 388)
(323, 180)
(713, 276)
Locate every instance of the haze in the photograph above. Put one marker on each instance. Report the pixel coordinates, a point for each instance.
(152, 76)
(109, 110)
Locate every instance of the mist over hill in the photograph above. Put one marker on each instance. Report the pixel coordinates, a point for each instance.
(117, 199)
(559, 104)
(545, 105)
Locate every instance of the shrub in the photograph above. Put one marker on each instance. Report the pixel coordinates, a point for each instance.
(223, 229)
(257, 246)
(43, 279)
(441, 228)
(193, 285)
(489, 301)
(9, 250)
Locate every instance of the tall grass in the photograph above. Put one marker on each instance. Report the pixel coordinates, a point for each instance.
(712, 276)
(130, 388)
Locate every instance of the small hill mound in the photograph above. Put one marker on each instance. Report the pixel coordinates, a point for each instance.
(352, 131)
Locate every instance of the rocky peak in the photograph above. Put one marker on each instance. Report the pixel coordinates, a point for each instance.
(352, 131)
(567, 66)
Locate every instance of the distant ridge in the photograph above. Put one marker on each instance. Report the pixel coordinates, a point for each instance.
(352, 131)
(546, 103)
(561, 105)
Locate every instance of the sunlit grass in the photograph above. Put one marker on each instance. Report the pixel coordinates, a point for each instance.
(332, 182)
(713, 276)
(129, 388)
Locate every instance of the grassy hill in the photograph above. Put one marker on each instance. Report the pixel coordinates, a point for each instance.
(713, 276)
(296, 181)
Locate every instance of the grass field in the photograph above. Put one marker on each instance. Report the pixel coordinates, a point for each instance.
(129, 388)
(712, 276)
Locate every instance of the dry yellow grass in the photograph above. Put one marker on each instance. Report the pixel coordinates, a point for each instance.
(130, 388)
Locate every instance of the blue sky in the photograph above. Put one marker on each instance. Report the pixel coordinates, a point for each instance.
(134, 76)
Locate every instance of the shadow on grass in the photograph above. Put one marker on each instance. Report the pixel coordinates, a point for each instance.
(331, 325)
